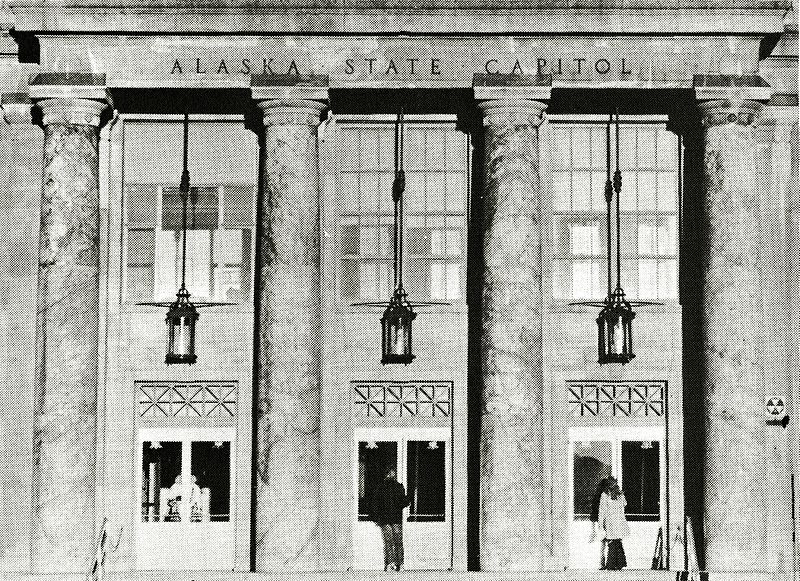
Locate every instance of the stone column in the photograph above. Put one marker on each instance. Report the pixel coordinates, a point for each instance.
(289, 341)
(732, 312)
(512, 472)
(64, 439)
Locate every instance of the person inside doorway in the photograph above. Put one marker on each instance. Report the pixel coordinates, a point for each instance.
(388, 501)
(594, 515)
(175, 500)
(611, 518)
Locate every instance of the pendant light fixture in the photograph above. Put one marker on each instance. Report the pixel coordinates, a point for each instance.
(615, 320)
(397, 319)
(182, 315)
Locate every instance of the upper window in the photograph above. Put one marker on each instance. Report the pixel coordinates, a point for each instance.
(648, 208)
(436, 164)
(223, 161)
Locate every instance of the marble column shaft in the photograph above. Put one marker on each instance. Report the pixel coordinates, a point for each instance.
(290, 339)
(64, 440)
(512, 471)
(733, 329)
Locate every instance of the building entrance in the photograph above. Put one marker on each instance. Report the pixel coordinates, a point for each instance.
(186, 484)
(422, 459)
(635, 457)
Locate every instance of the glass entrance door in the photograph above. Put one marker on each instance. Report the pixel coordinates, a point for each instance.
(635, 457)
(185, 484)
(421, 458)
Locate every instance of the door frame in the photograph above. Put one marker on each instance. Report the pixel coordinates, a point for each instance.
(402, 435)
(185, 435)
(615, 435)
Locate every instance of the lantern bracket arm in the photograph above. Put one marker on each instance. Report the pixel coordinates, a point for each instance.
(198, 305)
(413, 304)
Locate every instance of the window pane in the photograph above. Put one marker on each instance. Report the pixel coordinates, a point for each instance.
(590, 464)
(434, 188)
(560, 144)
(369, 149)
(426, 481)
(453, 281)
(142, 202)
(162, 489)
(648, 279)
(647, 190)
(641, 480)
(350, 279)
(581, 191)
(667, 279)
(667, 149)
(667, 235)
(585, 279)
(438, 290)
(371, 193)
(414, 197)
(581, 147)
(210, 492)
(238, 206)
(141, 247)
(599, 191)
(456, 149)
(453, 245)
(667, 191)
(627, 148)
(585, 239)
(647, 147)
(140, 284)
(228, 247)
(456, 191)
(349, 239)
(198, 263)
(599, 149)
(166, 264)
(349, 192)
(374, 459)
(648, 233)
(562, 192)
(368, 279)
(561, 235)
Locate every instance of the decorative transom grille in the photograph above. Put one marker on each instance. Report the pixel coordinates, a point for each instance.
(616, 399)
(194, 399)
(402, 399)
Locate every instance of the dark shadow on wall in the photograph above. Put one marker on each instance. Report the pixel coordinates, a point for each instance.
(472, 125)
(693, 262)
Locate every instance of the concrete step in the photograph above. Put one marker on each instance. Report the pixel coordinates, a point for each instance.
(573, 575)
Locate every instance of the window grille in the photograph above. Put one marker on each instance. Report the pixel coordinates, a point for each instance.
(193, 399)
(436, 165)
(402, 399)
(616, 399)
(649, 210)
(221, 215)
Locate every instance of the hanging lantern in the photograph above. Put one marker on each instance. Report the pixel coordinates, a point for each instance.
(399, 314)
(182, 315)
(182, 319)
(615, 320)
(396, 330)
(615, 330)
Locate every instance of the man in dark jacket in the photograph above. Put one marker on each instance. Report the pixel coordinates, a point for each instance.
(388, 501)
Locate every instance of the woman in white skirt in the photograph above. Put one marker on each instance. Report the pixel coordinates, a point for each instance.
(611, 519)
